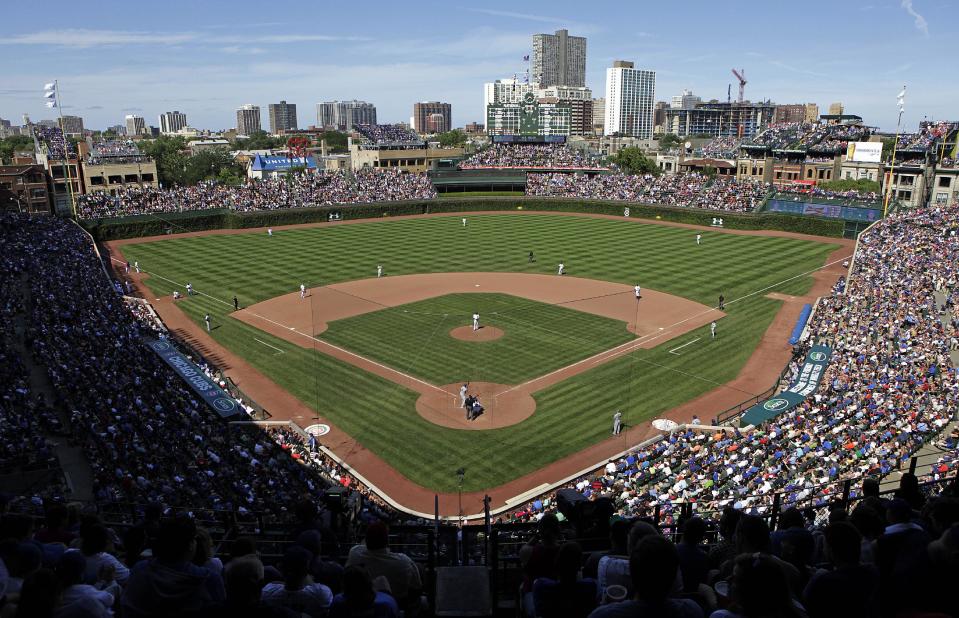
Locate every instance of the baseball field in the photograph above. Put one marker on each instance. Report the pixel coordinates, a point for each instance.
(380, 359)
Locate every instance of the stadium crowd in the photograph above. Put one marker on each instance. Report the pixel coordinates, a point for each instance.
(928, 135)
(115, 152)
(798, 192)
(126, 405)
(300, 191)
(388, 134)
(58, 147)
(691, 190)
(530, 156)
(721, 148)
(889, 389)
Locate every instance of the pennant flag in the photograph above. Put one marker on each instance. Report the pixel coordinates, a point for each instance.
(50, 94)
(51, 103)
(50, 86)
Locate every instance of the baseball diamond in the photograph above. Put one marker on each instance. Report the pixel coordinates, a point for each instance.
(379, 365)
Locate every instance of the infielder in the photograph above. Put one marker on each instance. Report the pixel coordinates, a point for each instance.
(136, 265)
(189, 289)
(639, 292)
(712, 329)
(302, 290)
(699, 239)
(532, 258)
(379, 271)
(722, 302)
(206, 319)
(475, 321)
(617, 423)
(127, 271)
(463, 396)
(236, 303)
(562, 269)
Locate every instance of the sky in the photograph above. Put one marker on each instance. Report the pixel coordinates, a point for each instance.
(206, 58)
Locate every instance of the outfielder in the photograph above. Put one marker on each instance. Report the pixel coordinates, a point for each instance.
(617, 423)
(712, 329)
(699, 239)
(475, 321)
(206, 319)
(302, 290)
(379, 271)
(562, 269)
(269, 232)
(464, 221)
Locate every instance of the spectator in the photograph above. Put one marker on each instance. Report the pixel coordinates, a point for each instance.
(244, 583)
(759, 589)
(169, 584)
(567, 595)
(850, 588)
(298, 592)
(71, 573)
(693, 562)
(902, 559)
(41, 597)
(397, 568)
(654, 567)
(358, 598)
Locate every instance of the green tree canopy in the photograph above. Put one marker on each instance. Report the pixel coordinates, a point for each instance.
(631, 160)
(336, 141)
(863, 185)
(170, 159)
(452, 138)
(14, 143)
(669, 140)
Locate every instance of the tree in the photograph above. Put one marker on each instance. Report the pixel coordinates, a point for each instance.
(888, 143)
(669, 140)
(631, 160)
(863, 185)
(259, 140)
(14, 143)
(335, 141)
(211, 165)
(452, 138)
(167, 152)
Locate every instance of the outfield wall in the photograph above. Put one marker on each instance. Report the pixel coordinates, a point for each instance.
(174, 223)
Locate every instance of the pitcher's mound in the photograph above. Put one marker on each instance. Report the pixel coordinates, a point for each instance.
(485, 333)
(502, 406)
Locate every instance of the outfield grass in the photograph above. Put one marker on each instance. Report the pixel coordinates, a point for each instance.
(538, 338)
(572, 414)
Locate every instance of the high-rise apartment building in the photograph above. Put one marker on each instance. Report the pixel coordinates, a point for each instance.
(282, 116)
(599, 115)
(136, 125)
(71, 125)
(686, 100)
(630, 94)
(171, 122)
(248, 120)
(432, 117)
(343, 115)
(559, 60)
(836, 109)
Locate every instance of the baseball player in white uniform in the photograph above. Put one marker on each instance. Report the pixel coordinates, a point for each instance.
(136, 265)
(562, 269)
(475, 321)
(302, 290)
(206, 319)
(189, 289)
(269, 232)
(639, 291)
(379, 270)
(464, 221)
(712, 329)
(617, 423)
(463, 396)
(699, 239)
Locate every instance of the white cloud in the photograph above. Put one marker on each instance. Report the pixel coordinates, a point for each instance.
(920, 22)
(83, 38)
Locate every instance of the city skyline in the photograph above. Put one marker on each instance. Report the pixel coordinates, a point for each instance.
(208, 71)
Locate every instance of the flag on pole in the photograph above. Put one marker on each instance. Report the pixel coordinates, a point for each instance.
(50, 86)
(51, 103)
(49, 94)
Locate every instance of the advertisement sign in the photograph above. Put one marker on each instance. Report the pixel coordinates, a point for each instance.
(805, 384)
(865, 152)
(206, 388)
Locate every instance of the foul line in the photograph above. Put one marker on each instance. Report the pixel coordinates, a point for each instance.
(673, 351)
(291, 329)
(279, 351)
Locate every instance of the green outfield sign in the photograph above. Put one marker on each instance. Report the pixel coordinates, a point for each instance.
(805, 384)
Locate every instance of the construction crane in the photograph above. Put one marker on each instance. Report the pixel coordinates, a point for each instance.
(741, 76)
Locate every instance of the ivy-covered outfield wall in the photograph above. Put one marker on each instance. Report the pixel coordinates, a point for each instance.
(174, 223)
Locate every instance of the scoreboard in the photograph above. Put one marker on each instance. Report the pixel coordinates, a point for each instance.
(528, 118)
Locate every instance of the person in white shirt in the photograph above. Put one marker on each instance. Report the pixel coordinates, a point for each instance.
(398, 569)
(302, 290)
(639, 292)
(379, 270)
(476, 321)
(562, 269)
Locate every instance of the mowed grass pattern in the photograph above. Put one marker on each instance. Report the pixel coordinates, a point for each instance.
(538, 338)
(570, 415)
